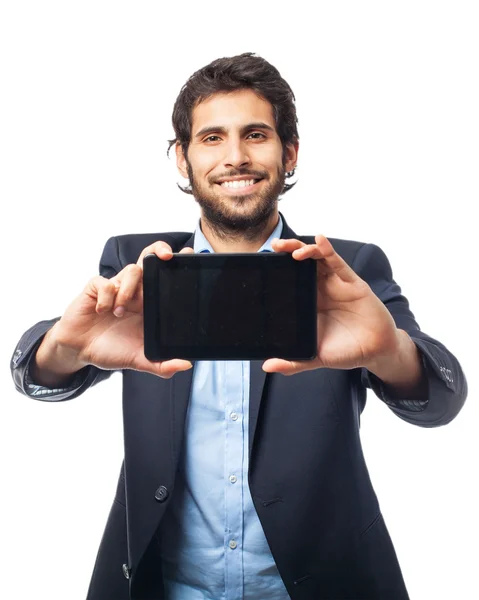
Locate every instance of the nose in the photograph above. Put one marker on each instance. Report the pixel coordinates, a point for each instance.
(236, 155)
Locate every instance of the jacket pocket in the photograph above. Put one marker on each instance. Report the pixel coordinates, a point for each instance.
(379, 571)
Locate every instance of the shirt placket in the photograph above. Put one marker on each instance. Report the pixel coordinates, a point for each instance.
(233, 478)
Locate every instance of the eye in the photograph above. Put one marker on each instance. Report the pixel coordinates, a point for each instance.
(215, 138)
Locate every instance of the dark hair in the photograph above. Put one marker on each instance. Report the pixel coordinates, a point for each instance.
(245, 71)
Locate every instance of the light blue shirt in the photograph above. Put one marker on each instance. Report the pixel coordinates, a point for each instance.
(212, 542)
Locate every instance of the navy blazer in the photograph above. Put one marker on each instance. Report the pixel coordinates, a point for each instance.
(307, 474)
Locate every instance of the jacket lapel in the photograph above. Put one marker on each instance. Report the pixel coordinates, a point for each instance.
(180, 392)
(257, 375)
(179, 399)
(190, 242)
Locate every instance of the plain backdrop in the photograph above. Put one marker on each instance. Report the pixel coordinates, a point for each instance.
(387, 99)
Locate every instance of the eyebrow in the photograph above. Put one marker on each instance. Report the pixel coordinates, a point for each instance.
(224, 130)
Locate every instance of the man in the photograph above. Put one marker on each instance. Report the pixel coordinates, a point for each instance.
(239, 482)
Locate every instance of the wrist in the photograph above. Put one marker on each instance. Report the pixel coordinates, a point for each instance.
(55, 362)
(402, 370)
(391, 360)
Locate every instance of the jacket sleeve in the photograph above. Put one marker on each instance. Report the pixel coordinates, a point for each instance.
(447, 385)
(30, 341)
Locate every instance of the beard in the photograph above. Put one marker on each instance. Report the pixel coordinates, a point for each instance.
(242, 216)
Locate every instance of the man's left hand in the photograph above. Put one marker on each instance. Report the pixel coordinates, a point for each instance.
(355, 329)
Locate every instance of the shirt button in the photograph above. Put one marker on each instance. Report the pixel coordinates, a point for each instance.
(234, 416)
(233, 478)
(232, 544)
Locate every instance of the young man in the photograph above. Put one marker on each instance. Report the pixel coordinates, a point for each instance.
(239, 482)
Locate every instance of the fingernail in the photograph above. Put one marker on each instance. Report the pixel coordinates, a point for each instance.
(119, 311)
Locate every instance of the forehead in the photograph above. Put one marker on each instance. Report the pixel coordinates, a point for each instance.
(232, 110)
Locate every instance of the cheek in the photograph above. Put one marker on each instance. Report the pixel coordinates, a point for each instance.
(204, 167)
(269, 158)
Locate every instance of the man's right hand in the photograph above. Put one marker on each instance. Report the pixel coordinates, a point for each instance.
(103, 326)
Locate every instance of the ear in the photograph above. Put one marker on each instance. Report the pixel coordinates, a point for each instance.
(181, 161)
(291, 155)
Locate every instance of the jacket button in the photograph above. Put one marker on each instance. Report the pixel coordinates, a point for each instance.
(126, 571)
(161, 493)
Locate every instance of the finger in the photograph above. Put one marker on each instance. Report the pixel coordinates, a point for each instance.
(186, 250)
(130, 279)
(288, 367)
(161, 249)
(168, 368)
(290, 245)
(331, 262)
(165, 368)
(102, 291)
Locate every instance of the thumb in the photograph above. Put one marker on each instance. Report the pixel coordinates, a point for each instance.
(164, 369)
(187, 250)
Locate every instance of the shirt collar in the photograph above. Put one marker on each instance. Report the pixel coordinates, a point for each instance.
(201, 244)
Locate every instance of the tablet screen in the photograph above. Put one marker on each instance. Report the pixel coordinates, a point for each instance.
(229, 306)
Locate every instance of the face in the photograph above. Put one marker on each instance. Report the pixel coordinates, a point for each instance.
(235, 162)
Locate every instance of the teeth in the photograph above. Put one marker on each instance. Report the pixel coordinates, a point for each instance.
(237, 184)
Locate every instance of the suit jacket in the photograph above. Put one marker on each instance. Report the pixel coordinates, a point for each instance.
(307, 474)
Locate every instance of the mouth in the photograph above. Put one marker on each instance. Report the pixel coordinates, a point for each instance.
(240, 188)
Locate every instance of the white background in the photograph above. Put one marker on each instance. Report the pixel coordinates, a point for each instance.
(387, 99)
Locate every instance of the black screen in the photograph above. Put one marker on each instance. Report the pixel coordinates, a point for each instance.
(228, 306)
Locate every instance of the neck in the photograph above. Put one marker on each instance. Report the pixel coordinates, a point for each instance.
(239, 241)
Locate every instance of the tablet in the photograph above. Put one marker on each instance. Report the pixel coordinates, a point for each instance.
(216, 306)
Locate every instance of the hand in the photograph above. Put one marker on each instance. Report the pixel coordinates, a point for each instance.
(354, 327)
(103, 326)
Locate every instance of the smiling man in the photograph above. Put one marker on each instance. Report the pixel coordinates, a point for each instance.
(238, 193)
(239, 482)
